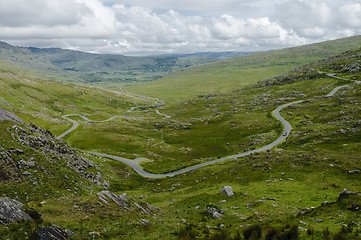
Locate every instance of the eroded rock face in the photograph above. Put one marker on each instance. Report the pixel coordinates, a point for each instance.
(121, 200)
(52, 233)
(11, 211)
(6, 115)
(127, 203)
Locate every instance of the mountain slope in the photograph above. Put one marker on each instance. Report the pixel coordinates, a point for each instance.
(43, 101)
(230, 74)
(44, 182)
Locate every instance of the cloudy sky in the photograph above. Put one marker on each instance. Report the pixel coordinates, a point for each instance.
(144, 27)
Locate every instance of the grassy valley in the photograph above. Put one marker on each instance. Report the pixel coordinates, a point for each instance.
(102, 70)
(293, 191)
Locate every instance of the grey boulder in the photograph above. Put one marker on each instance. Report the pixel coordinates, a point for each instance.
(11, 211)
(227, 190)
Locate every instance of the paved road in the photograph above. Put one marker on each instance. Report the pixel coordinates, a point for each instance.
(135, 166)
(162, 114)
(333, 75)
(75, 125)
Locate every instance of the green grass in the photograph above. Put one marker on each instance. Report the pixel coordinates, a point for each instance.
(184, 84)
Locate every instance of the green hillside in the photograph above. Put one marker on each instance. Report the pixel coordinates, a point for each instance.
(230, 74)
(44, 101)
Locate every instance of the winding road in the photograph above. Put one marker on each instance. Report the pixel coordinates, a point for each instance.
(76, 124)
(136, 167)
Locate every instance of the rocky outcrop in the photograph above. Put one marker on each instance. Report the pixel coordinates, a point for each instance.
(52, 233)
(11, 211)
(8, 116)
(145, 222)
(299, 74)
(214, 211)
(120, 200)
(127, 203)
(350, 200)
(33, 139)
(347, 62)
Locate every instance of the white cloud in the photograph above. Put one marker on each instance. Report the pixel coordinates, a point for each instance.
(146, 27)
(228, 27)
(27, 13)
(55, 19)
(184, 5)
(314, 32)
(350, 15)
(317, 19)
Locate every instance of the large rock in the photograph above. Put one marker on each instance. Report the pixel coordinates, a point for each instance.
(11, 211)
(227, 190)
(52, 233)
(345, 194)
(351, 200)
(121, 200)
(127, 203)
(6, 115)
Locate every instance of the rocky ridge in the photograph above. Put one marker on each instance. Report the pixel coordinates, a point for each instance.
(348, 62)
(127, 203)
(35, 149)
